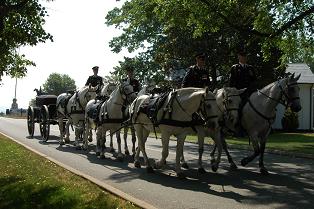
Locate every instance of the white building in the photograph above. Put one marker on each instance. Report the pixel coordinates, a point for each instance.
(306, 84)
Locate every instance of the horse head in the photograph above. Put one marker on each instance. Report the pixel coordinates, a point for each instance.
(87, 93)
(108, 89)
(291, 92)
(210, 109)
(127, 92)
(229, 100)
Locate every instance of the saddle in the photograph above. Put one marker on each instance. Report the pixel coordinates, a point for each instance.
(153, 105)
(94, 110)
(64, 100)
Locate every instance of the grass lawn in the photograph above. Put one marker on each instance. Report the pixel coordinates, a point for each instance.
(30, 181)
(290, 142)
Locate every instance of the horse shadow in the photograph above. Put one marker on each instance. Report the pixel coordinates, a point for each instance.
(286, 188)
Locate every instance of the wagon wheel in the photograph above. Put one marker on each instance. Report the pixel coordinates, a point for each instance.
(30, 121)
(45, 124)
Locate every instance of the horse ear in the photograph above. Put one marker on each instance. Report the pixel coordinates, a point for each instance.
(240, 91)
(292, 76)
(206, 90)
(215, 91)
(297, 78)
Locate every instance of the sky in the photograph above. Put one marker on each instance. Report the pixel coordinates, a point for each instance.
(81, 41)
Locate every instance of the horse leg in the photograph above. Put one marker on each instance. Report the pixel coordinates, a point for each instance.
(217, 139)
(200, 138)
(233, 166)
(98, 142)
(133, 140)
(77, 136)
(149, 168)
(61, 129)
(85, 134)
(212, 153)
(111, 143)
(248, 159)
(263, 170)
(179, 152)
(125, 136)
(182, 160)
(67, 132)
(139, 134)
(165, 150)
(120, 155)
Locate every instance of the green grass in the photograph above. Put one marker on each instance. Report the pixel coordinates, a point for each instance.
(289, 142)
(30, 181)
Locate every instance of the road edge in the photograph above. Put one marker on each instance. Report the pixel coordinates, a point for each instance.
(107, 187)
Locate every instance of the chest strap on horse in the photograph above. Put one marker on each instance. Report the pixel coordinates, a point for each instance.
(269, 119)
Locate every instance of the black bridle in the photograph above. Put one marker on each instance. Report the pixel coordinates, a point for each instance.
(287, 99)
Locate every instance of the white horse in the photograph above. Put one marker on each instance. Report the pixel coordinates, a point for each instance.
(73, 111)
(228, 101)
(111, 117)
(259, 113)
(146, 90)
(184, 111)
(94, 104)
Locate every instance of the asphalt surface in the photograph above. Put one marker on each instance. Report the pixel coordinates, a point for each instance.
(289, 185)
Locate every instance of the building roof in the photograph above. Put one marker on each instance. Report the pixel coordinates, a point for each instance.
(307, 75)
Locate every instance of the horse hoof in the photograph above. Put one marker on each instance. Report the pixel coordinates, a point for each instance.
(137, 164)
(120, 158)
(157, 165)
(90, 139)
(201, 171)
(97, 153)
(214, 168)
(112, 150)
(127, 152)
(61, 143)
(150, 170)
(233, 167)
(185, 165)
(101, 156)
(181, 176)
(244, 162)
(212, 161)
(67, 141)
(264, 171)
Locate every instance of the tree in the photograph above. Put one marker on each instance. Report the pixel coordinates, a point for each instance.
(58, 83)
(21, 24)
(274, 32)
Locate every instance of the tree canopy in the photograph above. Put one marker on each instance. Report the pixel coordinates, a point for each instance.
(21, 24)
(58, 83)
(273, 32)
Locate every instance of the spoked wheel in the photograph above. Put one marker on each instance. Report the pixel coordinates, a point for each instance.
(44, 124)
(30, 121)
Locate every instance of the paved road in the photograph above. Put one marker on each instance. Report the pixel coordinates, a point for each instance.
(290, 184)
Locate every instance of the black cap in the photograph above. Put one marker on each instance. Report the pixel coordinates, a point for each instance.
(95, 68)
(200, 54)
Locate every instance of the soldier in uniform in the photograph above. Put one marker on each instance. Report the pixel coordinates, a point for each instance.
(134, 82)
(197, 75)
(95, 79)
(242, 76)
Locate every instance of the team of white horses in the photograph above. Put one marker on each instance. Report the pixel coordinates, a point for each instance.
(109, 108)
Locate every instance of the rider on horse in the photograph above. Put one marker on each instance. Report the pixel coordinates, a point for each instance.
(95, 79)
(242, 75)
(197, 76)
(132, 81)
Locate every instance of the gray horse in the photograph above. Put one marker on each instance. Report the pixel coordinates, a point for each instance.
(260, 111)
